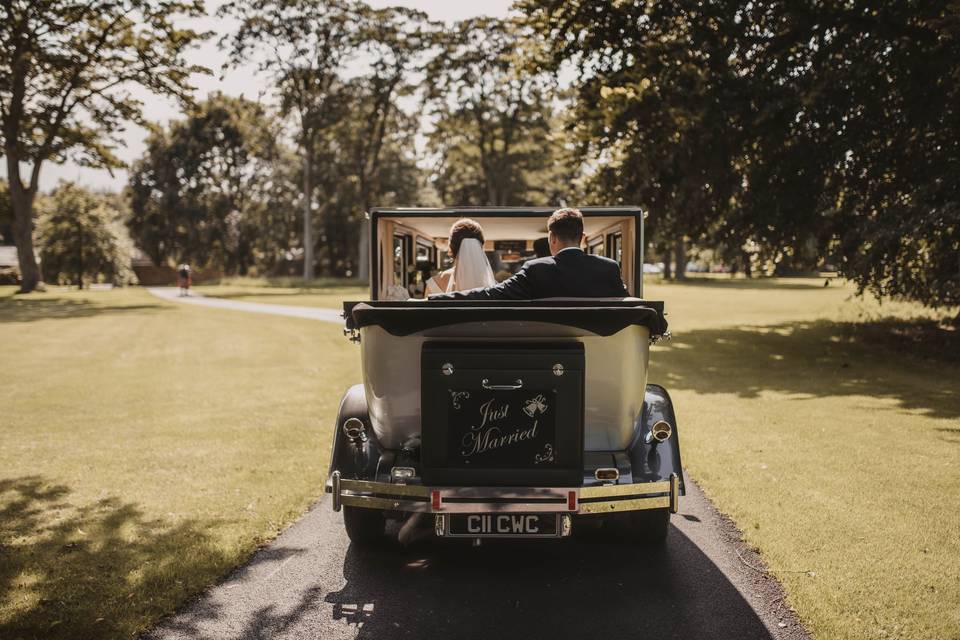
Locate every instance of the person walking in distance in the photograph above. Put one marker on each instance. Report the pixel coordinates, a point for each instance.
(185, 279)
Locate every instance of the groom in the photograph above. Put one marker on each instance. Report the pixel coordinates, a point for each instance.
(567, 273)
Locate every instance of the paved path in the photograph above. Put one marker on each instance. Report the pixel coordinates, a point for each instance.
(311, 583)
(172, 294)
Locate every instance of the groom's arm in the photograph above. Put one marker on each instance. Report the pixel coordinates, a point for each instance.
(620, 285)
(516, 287)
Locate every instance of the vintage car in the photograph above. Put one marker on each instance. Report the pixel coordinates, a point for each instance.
(520, 419)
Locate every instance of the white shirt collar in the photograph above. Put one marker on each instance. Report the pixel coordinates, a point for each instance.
(568, 249)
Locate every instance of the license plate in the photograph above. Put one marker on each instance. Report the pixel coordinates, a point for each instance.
(503, 525)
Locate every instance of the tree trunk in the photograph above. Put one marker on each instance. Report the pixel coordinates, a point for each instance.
(79, 255)
(308, 212)
(680, 249)
(667, 264)
(363, 252)
(21, 201)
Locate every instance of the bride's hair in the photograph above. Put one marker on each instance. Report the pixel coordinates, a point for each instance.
(461, 230)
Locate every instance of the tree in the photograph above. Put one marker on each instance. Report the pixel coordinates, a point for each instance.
(657, 113)
(67, 70)
(887, 117)
(396, 181)
(304, 46)
(804, 131)
(199, 193)
(493, 115)
(6, 214)
(394, 39)
(80, 237)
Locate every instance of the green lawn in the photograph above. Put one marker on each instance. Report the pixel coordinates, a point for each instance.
(838, 457)
(148, 447)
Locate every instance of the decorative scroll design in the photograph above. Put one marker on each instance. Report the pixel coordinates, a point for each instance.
(457, 396)
(546, 456)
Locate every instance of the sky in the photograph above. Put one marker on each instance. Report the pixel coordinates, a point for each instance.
(241, 81)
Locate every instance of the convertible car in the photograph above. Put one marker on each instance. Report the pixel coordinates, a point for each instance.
(510, 419)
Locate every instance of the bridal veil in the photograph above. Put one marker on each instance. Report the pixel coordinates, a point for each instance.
(472, 268)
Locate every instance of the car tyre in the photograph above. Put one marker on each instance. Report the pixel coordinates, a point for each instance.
(650, 526)
(365, 527)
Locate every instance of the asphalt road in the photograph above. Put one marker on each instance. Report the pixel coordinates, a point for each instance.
(311, 583)
(172, 294)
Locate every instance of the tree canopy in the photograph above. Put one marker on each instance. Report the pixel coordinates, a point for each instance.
(781, 136)
(82, 237)
(66, 72)
(802, 133)
(492, 133)
(201, 193)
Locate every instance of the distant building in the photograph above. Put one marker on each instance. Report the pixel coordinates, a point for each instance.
(8, 256)
(9, 265)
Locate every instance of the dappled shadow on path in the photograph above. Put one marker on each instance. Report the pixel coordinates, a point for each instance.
(100, 570)
(585, 587)
(809, 359)
(567, 589)
(27, 309)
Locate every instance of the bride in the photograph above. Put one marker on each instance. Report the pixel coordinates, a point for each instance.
(471, 269)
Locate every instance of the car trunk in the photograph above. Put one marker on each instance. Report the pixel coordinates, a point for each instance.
(502, 414)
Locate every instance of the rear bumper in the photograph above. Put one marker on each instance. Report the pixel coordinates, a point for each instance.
(600, 499)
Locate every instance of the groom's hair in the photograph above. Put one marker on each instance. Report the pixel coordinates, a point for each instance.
(566, 225)
(461, 230)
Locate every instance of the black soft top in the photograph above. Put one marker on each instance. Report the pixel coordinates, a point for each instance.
(602, 316)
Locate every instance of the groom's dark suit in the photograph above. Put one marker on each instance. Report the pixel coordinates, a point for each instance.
(569, 274)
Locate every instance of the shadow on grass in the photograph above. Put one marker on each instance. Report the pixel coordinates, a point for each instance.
(102, 570)
(949, 434)
(287, 282)
(726, 282)
(25, 309)
(266, 293)
(813, 359)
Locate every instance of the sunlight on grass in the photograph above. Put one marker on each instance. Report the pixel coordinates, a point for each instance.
(839, 459)
(146, 448)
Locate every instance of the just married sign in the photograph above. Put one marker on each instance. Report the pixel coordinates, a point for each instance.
(502, 428)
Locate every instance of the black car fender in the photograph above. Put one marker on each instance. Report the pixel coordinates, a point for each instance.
(652, 462)
(344, 454)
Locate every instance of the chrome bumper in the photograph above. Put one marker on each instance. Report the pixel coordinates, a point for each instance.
(598, 499)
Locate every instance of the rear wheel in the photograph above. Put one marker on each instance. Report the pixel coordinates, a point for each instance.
(650, 526)
(365, 527)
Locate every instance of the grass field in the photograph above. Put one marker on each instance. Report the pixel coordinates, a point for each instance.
(838, 457)
(147, 447)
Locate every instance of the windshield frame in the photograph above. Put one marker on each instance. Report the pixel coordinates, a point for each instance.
(379, 213)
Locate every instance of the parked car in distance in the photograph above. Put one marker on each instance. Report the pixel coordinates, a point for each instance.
(654, 269)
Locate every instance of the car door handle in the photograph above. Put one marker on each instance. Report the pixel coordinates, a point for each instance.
(502, 387)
